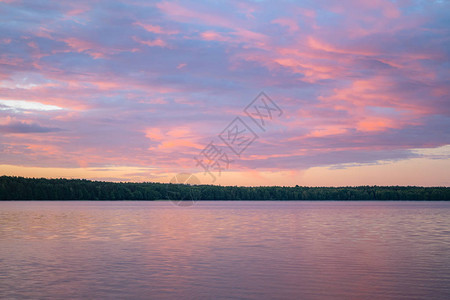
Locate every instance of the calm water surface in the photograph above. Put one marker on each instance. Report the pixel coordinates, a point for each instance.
(225, 250)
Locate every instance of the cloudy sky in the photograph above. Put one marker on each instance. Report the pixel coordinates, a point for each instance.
(138, 90)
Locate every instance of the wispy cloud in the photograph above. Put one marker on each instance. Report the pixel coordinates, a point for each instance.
(21, 127)
(26, 105)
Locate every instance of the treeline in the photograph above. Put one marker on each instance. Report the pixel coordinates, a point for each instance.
(20, 188)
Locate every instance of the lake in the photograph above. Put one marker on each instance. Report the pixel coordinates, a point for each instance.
(225, 250)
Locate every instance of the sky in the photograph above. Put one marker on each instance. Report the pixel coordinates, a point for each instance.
(356, 92)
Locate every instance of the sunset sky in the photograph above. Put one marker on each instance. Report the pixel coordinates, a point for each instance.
(135, 90)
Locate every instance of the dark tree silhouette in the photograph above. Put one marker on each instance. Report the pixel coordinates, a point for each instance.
(20, 188)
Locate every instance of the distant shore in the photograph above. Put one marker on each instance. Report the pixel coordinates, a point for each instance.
(21, 188)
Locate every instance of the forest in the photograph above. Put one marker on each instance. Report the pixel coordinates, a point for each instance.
(20, 188)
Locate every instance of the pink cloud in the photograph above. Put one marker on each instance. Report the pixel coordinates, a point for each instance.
(156, 29)
(153, 43)
(214, 36)
(85, 46)
(154, 134)
(376, 124)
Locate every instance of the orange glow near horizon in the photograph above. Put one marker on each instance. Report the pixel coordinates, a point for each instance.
(418, 172)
